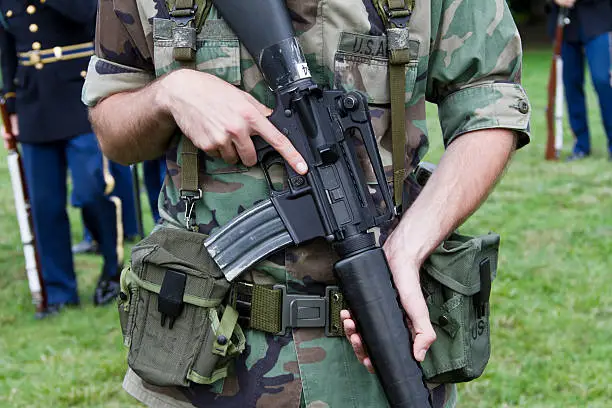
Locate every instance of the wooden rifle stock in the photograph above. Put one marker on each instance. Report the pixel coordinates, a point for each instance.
(554, 111)
(24, 216)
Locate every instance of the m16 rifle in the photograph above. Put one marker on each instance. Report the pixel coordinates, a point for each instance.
(331, 201)
(554, 108)
(24, 216)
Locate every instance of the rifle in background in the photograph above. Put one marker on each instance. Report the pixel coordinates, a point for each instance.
(24, 217)
(554, 111)
(138, 201)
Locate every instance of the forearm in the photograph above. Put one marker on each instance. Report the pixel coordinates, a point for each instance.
(464, 177)
(133, 126)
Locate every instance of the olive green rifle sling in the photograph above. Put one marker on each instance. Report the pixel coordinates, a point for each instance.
(396, 15)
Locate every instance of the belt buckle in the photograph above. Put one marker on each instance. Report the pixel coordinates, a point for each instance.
(243, 299)
(34, 56)
(304, 310)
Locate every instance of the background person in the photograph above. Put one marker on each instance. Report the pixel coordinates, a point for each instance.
(587, 40)
(44, 52)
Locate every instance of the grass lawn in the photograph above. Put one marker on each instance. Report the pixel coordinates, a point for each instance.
(552, 313)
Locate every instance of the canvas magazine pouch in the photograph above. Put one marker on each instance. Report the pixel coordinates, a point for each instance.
(456, 282)
(172, 314)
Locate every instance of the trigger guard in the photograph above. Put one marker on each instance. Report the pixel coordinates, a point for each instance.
(273, 159)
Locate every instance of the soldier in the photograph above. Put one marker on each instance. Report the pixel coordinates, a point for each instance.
(588, 37)
(464, 58)
(45, 48)
(124, 190)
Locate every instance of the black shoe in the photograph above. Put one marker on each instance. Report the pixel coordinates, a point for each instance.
(576, 156)
(52, 310)
(106, 292)
(86, 247)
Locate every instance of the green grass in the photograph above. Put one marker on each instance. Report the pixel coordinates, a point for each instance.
(552, 312)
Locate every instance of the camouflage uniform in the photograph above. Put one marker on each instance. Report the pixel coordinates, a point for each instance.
(466, 59)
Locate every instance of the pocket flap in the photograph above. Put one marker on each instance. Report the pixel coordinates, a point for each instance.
(453, 263)
(182, 251)
(191, 295)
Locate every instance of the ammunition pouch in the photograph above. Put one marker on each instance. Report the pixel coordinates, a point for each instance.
(172, 314)
(456, 282)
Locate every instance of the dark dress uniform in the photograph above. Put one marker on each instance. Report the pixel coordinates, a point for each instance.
(45, 48)
(587, 40)
(154, 172)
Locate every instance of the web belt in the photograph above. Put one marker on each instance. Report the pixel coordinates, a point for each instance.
(273, 310)
(55, 54)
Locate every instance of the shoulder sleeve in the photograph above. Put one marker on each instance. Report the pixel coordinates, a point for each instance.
(123, 58)
(8, 61)
(475, 70)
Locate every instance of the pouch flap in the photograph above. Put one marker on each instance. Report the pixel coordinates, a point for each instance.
(189, 296)
(181, 251)
(453, 263)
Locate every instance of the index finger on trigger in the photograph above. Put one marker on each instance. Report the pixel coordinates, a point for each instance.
(281, 144)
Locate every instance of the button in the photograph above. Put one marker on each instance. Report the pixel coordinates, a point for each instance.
(523, 106)
(443, 321)
(57, 51)
(36, 45)
(9, 13)
(33, 28)
(43, 1)
(30, 9)
(83, 74)
(38, 65)
(222, 340)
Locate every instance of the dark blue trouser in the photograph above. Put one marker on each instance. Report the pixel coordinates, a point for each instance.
(154, 173)
(597, 53)
(45, 166)
(125, 192)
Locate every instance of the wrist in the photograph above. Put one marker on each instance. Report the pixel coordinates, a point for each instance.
(400, 255)
(164, 93)
(411, 242)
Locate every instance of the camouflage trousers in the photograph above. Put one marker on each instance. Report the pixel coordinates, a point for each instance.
(303, 369)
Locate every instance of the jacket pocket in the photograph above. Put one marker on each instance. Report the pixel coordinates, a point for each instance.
(217, 50)
(361, 64)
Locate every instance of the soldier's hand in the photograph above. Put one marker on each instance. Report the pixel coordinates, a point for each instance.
(405, 273)
(423, 334)
(220, 119)
(350, 331)
(565, 3)
(14, 127)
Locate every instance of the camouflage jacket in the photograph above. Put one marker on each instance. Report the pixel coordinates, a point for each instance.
(465, 59)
